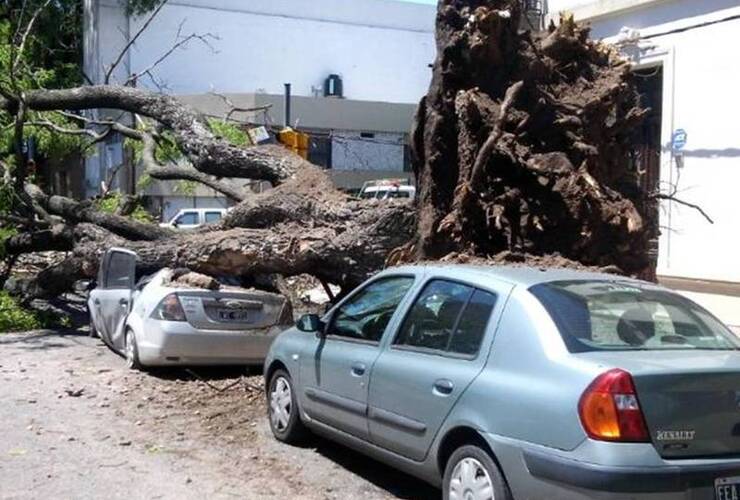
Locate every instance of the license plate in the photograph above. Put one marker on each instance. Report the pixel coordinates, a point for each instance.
(227, 315)
(727, 488)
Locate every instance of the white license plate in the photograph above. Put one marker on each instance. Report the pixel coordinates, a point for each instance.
(727, 488)
(226, 315)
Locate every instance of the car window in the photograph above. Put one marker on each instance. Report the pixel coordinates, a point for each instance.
(434, 315)
(471, 328)
(119, 271)
(594, 315)
(366, 315)
(213, 216)
(188, 219)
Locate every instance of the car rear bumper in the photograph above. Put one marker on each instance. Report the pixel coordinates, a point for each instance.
(664, 479)
(606, 471)
(178, 343)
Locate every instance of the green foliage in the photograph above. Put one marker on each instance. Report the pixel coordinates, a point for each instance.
(140, 7)
(5, 233)
(229, 132)
(111, 203)
(15, 318)
(186, 188)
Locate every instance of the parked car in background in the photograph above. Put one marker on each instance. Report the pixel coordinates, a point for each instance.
(190, 218)
(519, 383)
(158, 320)
(385, 189)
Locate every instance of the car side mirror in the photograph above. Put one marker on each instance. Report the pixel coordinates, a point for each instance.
(175, 223)
(310, 323)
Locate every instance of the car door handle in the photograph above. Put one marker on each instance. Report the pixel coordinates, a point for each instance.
(358, 369)
(443, 386)
(123, 302)
(96, 302)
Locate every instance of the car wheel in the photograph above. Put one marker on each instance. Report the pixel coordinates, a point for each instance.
(132, 352)
(285, 419)
(93, 331)
(471, 474)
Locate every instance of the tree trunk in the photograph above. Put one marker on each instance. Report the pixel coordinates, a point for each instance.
(522, 144)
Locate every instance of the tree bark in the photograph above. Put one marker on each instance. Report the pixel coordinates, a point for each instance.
(522, 144)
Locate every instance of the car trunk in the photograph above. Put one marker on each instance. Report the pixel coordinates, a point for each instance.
(234, 310)
(690, 399)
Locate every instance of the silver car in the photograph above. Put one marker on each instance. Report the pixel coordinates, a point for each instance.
(155, 321)
(519, 383)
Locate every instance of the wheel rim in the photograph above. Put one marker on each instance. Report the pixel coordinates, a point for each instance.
(129, 349)
(470, 481)
(281, 404)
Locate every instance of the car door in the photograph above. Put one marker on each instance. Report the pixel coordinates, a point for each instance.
(113, 296)
(437, 351)
(188, 219)
(335, 370)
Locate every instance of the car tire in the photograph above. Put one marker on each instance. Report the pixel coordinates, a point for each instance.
(471, 469)
(131, 351)
(282, 409)
(93, 331)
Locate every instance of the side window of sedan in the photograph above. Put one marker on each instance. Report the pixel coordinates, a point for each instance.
(447, 317)
(366, 315)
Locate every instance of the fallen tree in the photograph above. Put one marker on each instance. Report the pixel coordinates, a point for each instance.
(521, 153)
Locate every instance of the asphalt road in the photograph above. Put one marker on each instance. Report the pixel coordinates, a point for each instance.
(76, 424)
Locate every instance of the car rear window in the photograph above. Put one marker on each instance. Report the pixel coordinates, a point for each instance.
(594, 315)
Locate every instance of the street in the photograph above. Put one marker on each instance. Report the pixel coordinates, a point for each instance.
(77, 424)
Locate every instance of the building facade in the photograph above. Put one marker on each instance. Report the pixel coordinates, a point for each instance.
(377, 51)
(683, 52)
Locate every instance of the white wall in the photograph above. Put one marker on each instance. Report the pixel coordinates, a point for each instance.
(700, 95)
(380, 48)
(350, 151)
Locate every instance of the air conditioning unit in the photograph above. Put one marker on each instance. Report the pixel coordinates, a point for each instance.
(333, 86)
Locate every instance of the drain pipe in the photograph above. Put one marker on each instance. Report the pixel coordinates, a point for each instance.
(286, 107)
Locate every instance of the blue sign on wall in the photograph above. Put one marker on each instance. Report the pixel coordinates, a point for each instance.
(678, 140)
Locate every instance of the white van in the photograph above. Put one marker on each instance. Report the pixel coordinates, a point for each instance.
(190, 218)
(384, 189)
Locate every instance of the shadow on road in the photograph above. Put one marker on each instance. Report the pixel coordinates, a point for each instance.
(45, 339)
(395, 482)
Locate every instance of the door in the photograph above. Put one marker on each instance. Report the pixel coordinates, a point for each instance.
(438, 350)
(188, 219)
(335, 371)
(112, 297)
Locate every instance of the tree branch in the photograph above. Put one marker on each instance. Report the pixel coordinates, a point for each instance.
(132, 41)
(173, 171)
(179, 42)
(671, 197)
(206, 152)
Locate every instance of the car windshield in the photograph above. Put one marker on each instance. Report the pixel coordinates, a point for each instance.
(595, 315)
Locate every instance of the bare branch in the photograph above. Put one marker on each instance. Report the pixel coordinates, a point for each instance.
(132, 41)
(671, 197)
(17, 53)
(179, 42)
(233, 108)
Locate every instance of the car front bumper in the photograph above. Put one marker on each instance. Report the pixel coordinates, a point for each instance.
(178, 343)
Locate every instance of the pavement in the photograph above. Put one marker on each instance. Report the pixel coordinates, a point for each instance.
(76, 424)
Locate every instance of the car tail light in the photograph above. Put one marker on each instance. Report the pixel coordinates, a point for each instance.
(610, 411)
(170, 309)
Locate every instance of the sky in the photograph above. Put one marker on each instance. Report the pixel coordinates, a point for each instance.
(429, 2)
